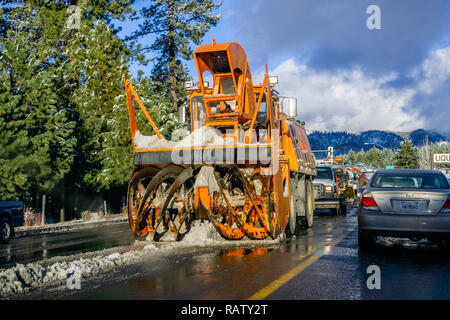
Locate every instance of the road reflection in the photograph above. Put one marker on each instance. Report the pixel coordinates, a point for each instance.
(237, 252)
(37, 247)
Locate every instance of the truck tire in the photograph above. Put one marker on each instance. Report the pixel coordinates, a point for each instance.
(292, 223)
(296, 225)
(309, 203)
(5, 230)
(343, 207)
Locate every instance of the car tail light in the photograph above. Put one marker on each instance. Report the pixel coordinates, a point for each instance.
(446, 207)
(368, 202)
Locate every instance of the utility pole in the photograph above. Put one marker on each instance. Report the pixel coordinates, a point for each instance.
(43, 210)
(430, 155)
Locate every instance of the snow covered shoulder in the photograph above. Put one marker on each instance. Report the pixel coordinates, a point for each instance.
(62, 272)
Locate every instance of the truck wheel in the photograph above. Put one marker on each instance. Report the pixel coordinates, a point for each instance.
(299, 227)
(5, 230)
(309, 203)
(292, 212)
(297, 224)
(343, 207)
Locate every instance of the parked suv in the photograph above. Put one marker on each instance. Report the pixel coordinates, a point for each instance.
(330, 187)
(11, 216)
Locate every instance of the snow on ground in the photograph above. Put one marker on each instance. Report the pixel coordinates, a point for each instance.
(23, 278)
(68, 225)
(202, 232)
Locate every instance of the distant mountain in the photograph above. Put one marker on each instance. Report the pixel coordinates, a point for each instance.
(342, 142)
(419, 137)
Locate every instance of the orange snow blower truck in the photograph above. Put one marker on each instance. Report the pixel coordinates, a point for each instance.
(246, 164)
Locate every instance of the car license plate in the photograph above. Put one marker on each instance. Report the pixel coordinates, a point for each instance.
(411, 205)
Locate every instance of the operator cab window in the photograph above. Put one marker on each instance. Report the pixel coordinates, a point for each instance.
(263, 105)
(261, 116)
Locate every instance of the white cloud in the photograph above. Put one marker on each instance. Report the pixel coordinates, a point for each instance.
(433, 71)
(432, 98)
(346, 100)
(350, 100)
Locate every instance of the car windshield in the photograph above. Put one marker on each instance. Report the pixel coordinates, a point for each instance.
(409, 180)
(324, 173)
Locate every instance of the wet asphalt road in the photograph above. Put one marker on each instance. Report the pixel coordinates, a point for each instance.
(324, 263)
(37, 247)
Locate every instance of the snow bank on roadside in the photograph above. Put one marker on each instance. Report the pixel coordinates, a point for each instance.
(72, 223)
(23, 278)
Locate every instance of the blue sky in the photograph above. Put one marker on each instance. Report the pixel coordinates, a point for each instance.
(346, 76)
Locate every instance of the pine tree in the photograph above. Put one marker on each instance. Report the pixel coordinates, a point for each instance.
(351, 156)
(63, 114)
(176, 24)
(407, 156)
(106, 148)
(361, 157)
(375, 158)
(36, 144)
(100, 59)
(45, 92)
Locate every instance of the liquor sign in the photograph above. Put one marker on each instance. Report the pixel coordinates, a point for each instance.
(441, 158)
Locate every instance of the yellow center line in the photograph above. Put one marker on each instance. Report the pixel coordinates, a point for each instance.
(269, 289)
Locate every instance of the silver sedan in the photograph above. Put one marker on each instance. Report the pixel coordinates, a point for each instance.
(405, 203)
